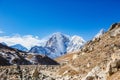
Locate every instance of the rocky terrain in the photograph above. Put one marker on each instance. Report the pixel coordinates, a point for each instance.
(54, 45)
(28, 72)
(11, 56)
(98, 59)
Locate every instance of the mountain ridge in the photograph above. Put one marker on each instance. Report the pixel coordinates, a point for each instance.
(98, 59)
(58, 44)
(12, 56)
(20, 47)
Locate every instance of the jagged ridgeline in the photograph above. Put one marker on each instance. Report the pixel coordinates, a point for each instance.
(11, 56)
(98, 59)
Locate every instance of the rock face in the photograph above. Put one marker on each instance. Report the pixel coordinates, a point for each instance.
(58, 44)
(114, 64)
(113, 26)
(115, 32)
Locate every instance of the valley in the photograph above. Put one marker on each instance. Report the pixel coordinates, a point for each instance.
(97, 59)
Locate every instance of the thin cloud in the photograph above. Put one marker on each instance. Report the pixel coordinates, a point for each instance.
(28, 40)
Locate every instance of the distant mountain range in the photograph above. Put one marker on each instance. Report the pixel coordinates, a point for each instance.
(20, 47)
(59, 44)
(98, 59)
(11, 56)
(56, 45)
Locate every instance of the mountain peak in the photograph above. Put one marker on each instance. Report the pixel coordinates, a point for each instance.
(76, 37)
(19, 47)
(75, 43)
(101, 32)
(59, 44)
(4, 43)
(57, 33)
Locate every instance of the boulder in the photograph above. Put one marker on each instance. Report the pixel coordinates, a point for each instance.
(113, 26)
(90, 78)
(115, 32)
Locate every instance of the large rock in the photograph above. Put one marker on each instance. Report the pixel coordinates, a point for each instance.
(115, 25)
(114, 67)
(114, 64)
(115, 32)
(95, 74)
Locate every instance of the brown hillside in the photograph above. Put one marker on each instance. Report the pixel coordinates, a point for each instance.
(95, 53)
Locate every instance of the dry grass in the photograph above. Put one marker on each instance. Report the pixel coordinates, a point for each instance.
(115, 76)
(101, 52)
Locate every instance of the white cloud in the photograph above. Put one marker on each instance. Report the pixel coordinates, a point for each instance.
(28, 40)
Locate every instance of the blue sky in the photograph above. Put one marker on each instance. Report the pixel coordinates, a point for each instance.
(44, 17)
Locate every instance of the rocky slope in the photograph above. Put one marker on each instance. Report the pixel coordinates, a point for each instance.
(28, 72)
(99, 59)
(100, 33)
(11, 56)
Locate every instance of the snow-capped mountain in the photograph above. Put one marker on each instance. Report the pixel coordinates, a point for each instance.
(58, 44)
(19, 47)
(38, 49)
(11, 56)
(3, 43)
(101, 32)
(75, 43)
(53, 46)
